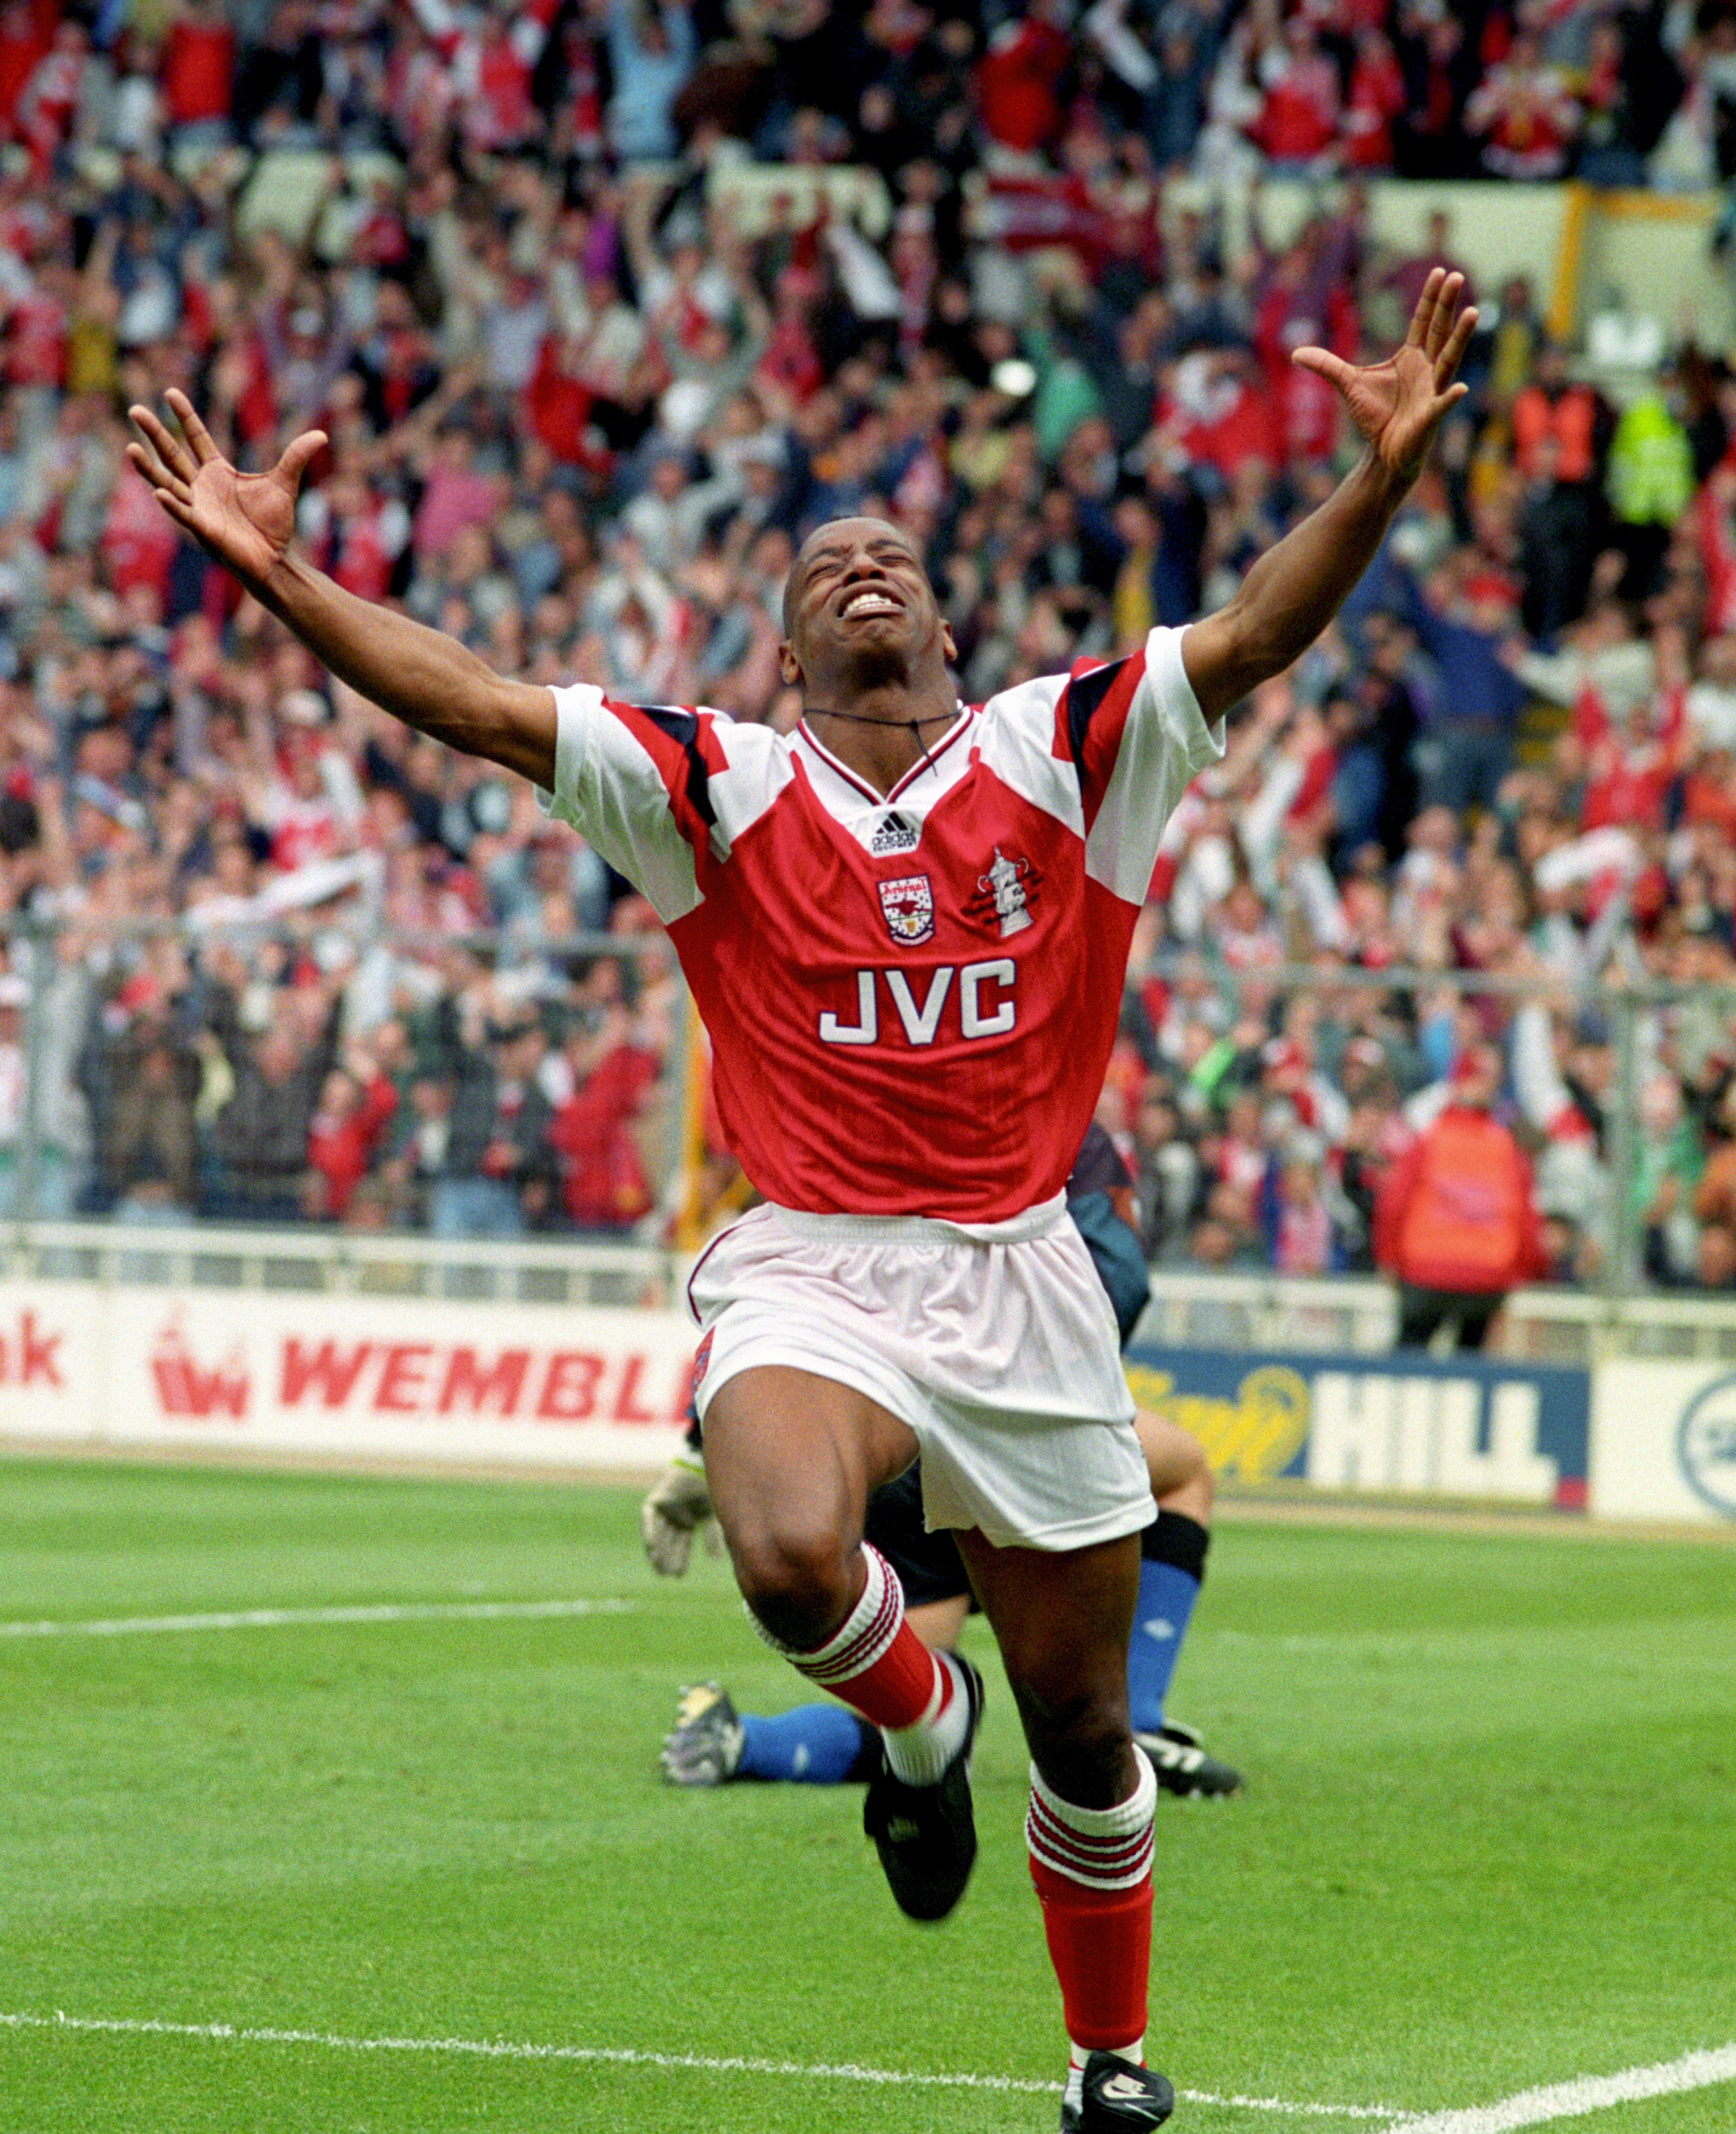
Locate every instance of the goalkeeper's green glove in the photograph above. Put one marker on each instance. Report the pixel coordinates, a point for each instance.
(677, 1508)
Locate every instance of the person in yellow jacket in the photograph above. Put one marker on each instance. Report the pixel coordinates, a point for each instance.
(1649, 480)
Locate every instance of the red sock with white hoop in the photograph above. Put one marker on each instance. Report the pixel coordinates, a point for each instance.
(1093, 1870)
(875, 1662)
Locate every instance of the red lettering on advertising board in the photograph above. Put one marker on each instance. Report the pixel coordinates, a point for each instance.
(400, 1390)
(626, 1409)
(29, 1355)
(417, 1378)
(468, 1385)
(327, 1373)
(569, 1387)
(187, 1388)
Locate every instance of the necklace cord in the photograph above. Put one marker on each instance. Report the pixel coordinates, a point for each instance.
(948, 719)
(864, 719)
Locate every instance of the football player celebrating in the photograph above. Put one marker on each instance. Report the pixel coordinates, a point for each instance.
(905, 925)
(827, 1744)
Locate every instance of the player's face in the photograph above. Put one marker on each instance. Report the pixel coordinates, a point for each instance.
(861, 601)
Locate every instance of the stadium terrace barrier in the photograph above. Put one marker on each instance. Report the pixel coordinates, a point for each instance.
(413, 1147)
(1191, 1308)
(333, 1263)
(576, 1357)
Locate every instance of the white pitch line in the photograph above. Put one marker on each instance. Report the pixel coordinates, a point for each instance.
(1572, 2100)
(272, 1618)
(1385, 2113)
(506, 2049)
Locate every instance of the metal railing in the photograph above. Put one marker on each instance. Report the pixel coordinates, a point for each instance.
(322, 1262)
(51, 1056)
(1189, 1308)
(1358, 1316)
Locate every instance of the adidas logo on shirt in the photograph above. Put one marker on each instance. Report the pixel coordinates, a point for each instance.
(897, 833)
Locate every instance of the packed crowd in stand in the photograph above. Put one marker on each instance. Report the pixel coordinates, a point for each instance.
(602, 305)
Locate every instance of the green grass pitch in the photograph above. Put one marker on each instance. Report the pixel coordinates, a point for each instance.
(421, 1866)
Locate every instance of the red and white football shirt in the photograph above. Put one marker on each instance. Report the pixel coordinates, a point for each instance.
(911, 997)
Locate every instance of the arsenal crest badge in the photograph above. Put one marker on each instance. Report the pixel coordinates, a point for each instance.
(908, 904)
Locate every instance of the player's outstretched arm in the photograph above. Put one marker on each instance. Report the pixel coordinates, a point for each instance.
(247, 522)
(1294, 590)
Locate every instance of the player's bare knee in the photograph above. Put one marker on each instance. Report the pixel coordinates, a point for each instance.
(1181, 1475)
(797, 1585)
(1090, 1762)
(1193, 1495)
(1079, 1737)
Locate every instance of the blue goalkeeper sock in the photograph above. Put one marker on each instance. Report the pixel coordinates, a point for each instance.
(819, 1744)
(1172, 1564)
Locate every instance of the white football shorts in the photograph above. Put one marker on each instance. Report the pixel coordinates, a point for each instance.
(994, 1342)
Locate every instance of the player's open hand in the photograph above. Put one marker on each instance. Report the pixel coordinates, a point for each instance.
(245, 520)
(1397, 405)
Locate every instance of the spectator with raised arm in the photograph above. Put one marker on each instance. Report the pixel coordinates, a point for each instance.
(279, 1043)
(496, 1167)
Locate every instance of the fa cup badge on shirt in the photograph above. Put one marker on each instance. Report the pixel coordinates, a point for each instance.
(908, 904)
(1005, 881)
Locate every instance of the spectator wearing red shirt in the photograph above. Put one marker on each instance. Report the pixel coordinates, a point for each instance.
(1375, 99)
(1214, 413)
(136, 551)
(1456, 1218)
(1634, 753)
(496, 69)
(196, 73)
(1301, 309)
(1019, 81)
(362, 538)
(603, 1185)
(381, 239)
(33, 343)
(307, 802)
(42, 118)
(396, 361)
(1527, 114)
(557, 404)
(344, 1137)
(790, 363)
(1298, 120)
(26, 30)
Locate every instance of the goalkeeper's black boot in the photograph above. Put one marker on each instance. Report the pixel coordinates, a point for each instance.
(703, 1748)
(1180, 1764)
